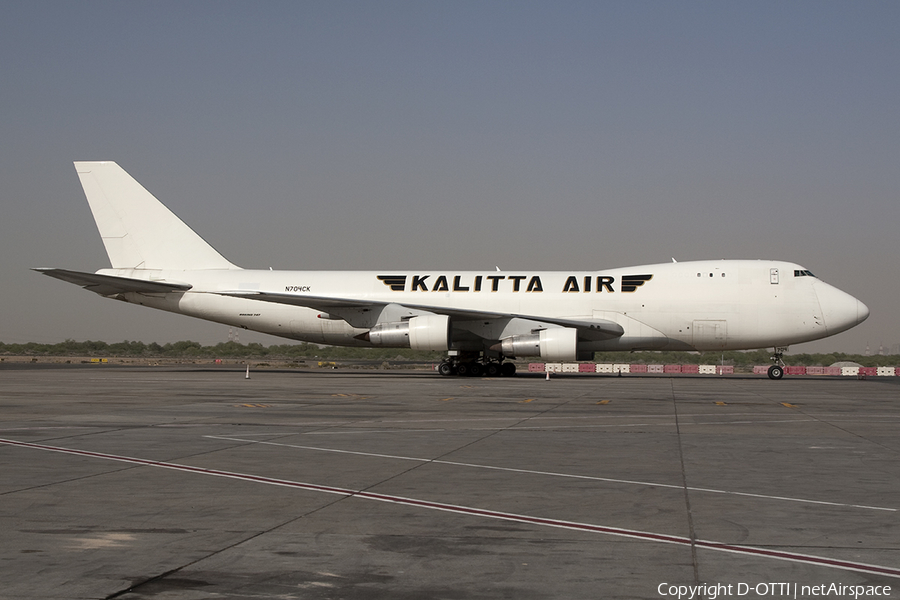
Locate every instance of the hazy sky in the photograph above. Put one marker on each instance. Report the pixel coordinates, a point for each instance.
(453, 135)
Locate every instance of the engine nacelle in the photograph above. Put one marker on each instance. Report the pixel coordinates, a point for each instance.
(559, 343)
(428, 332)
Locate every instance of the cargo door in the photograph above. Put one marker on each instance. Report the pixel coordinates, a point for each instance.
(709, 335)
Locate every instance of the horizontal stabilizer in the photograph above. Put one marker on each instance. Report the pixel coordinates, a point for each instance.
(109, 285)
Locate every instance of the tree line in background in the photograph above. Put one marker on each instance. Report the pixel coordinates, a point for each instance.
(302, 351)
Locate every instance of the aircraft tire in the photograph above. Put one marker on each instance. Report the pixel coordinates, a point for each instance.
(445, 369)
(508, 369)
(492, 369)
(776, 372)
(475, 369)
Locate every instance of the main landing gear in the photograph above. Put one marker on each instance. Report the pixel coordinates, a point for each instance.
(776, 371)
(472, 364)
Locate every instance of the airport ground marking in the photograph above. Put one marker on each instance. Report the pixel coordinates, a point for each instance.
(555, 474)
(587, 417)
(367, 431)
(604, 402)
(821, 561)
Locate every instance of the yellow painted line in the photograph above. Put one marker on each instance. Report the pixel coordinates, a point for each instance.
(721, 404)
(527, 401)
(788, 405)
(603, 402)
(255, 405)
(445, 399)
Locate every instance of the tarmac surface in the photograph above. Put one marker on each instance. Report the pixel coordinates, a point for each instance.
(162, 483)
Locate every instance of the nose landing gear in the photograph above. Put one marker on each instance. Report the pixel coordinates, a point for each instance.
(776, 371)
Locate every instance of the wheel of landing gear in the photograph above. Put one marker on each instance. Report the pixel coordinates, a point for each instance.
(445, 369)
(462, 369)
(776, 372)
(492, 369)
(475, 369)
(508, 369)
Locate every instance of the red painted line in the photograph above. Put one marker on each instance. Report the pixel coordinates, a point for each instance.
(616, 531)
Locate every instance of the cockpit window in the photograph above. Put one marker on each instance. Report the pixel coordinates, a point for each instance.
(803, 273)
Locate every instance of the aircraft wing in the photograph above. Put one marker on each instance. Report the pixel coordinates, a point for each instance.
(588, 329)
(109, 285)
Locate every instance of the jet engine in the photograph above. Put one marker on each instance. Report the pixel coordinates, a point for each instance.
(427, 332)
(559, 343)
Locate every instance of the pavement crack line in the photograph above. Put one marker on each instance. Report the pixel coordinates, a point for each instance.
(687, 499)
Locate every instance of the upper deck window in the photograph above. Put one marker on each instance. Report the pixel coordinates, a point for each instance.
(803, 273)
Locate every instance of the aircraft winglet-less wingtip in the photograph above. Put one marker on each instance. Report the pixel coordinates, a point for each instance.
(480, 318)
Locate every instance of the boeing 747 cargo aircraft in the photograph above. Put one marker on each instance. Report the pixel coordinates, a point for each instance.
(480, 318)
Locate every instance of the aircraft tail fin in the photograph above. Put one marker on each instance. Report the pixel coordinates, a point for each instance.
(138, 231)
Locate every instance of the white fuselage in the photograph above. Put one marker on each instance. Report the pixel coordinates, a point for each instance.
(703, 305)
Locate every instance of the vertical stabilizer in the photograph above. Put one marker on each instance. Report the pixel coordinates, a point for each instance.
(137, 230)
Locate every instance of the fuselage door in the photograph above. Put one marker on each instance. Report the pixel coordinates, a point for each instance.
(773, 276)
(709, 335)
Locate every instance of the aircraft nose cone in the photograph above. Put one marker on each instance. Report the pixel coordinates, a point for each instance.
(840, 310)
(862, 312)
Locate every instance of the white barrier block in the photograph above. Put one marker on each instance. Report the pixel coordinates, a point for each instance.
(887, 371)
(622, 368)
(850, 371)
(707, 369)
(553, 367)
(570, 368)
(604, 368)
